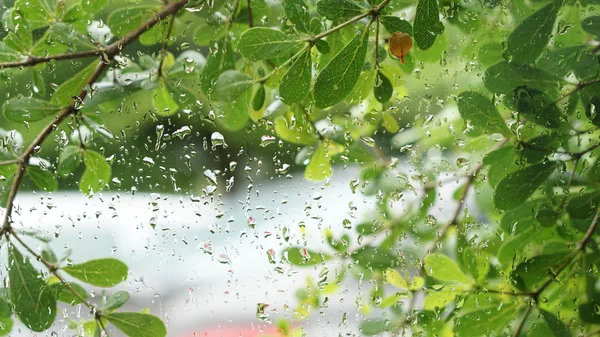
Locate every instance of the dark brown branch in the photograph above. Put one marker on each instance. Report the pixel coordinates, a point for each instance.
(30, 61)
(250, 19)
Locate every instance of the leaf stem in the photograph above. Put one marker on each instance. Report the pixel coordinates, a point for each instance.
(9, 162)
(578, 87)
(563, 201)
(377, 43)
(165, 45)
(250, 20)
(523, 320)
(281, 66)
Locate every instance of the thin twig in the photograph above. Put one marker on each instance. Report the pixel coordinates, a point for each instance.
(30, 61)
(165, 45)
(592, 333)
(578, 87)
(377, 44)
(250, 20)
(580, 248)
(9, 162)
(563, 201)
(523, 320)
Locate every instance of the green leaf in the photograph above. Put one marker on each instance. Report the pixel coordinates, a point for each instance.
(69, 159)
(394, 24)
(510, 249)
(323, 46)
(129, 17)
(503, 78)
(234, 115)
(390, 123)
(259, 98)
(116, 300)
(557, 327)
(481, 112)
(476, 262)
(34, 303)
(135, 324)
(298, 13)
(219, 60)
(97, 172)
(532, 273)
(319, 167)
(484, 321)
(300, 256)
(528, 40)
(93, 6)
(338, 9)
(375, 257)
(444, 269)
(260, 43)
(39, 85)
(295, 84)
(163, 101)
(43, 179)
(338, 77)
(292, 127)
(383, 88)
(372, 327)
(537, 107)
(37, 12)
(5, 310)
(583, 206)
(427, 24)
(65, 295)
(63, 96)
(6, 324)
(31, 109)
(230, 85)
(518, 186)
(591, 25)
(101, 273)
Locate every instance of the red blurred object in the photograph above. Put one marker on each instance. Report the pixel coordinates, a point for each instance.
(235, 332)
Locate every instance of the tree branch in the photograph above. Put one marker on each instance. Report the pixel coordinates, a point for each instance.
(165, 45)
(523, 320)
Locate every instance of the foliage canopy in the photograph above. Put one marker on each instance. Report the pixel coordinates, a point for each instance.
(504, 95)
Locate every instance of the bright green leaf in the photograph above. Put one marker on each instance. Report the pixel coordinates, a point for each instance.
(135, 324)
(444, 269)
(375, 258)
(319, 167)
(101, 273)
(292, 127)
(97, 172)
(300, 256)
(69, 159)
(116, 300)
(163, 101)
(230, 85)
(484, 321)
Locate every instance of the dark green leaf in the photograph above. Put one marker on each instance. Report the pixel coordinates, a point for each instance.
(236, 113)
(540, 147)
(427, 24)
(562, 61)
(383, 88)
(63, 96)
(23, 109)
(135, 324)
(97, 172)
(369, 228)
(583, 206)
(116, 300)
(537, 107)
(101, 273)
(510, 249)
(338, 77)
(259, 98)
(298, 13)
(338, 9)
(518, 186)
(591, 25)
(532, 273)
(260, 43)
(521, 218)
(528, 40)
(43, 179)
(394, 24)
(300, 256)
(69, 159)
(33, 301)
(444, 269)
(558, 327)
(323, 46)
(375, 258)
(503, 78)
(230, 85)
(295, 84)
(93, 6)
(481, 112)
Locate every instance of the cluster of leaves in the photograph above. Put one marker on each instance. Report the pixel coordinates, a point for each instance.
(533, 121)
